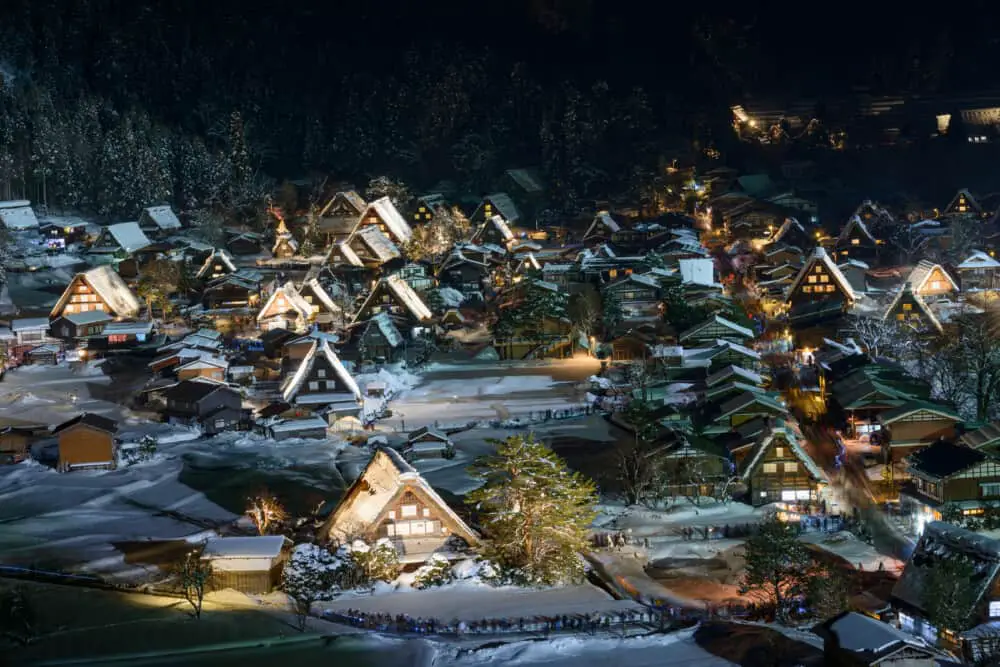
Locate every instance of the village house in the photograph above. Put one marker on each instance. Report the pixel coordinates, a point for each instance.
(86, 441)
(321, 380)
(383, 215)
(285, 309)
(637, 295)
(964, 203)
(371, 247)
(28, 333)
(218, 264)
(857, 242)
(429, 207)
(913, 426)
(941, 541)
(250, 565)
(232, 296)
(205, 367)
(57, 236)
(17, 215)
(851, 639)
(212, 407)
(791, 234)
(394, 296)
(715, 328)
(344, 204)
(99, 289)
(325, 311)
(929, 280)
(466, 272)
(779, 469)
(245, 243)
(76, 326)
(311, 427)
(158, 221)
(979, 271)
(695, 467)
(391, 499)
(377, 340)
(601, 229)
(496, 204)
(419, 275)
(119, 241)
(819, 290)
(15, 443)
(946, 474)
(909, 308)
(427, 443)
(285, 246)
(494, 231)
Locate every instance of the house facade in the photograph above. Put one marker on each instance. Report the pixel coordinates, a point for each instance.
(392, 500)
(914, 425)
(384, 215)
(213, 407)
(86, 441)
(99, 289)
(949, 475)
(780, 470)
(979, 271)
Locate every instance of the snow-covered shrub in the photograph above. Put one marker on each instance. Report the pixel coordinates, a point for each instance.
(145, 450)
(313, 573)
(379, 562)
(476, 569)
(436, 571)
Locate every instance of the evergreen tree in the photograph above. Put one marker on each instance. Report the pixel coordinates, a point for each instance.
(534, 510)
(613, 314)
(536, 304)
(310, 574)
(679, 313)
(949, 592)
(776, 564)
(827, 592)
(159, 281)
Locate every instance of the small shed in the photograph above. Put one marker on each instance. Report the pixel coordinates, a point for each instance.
(43, 354)
(286, 429)
(427, 443)
(250, 565)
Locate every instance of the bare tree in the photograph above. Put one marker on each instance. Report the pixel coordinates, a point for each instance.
(266, 512)
(194, 575)
(908, 240)
(639, 472)
(881, 337)
(972, 354)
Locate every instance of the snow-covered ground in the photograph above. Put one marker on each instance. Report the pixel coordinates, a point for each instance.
(853, 550)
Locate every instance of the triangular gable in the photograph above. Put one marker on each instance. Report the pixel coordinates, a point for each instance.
(498, 203)
(342, 254)
(371, 243)
(925, 271)
(717, 320)
(402, 293)
(855, 224)
(384, 214)
(820, 257)
(319, 349)
(907, 295)
(347, 203)
(963, 202)
(386, 477)
(917, 408)
(602, 223)
(284, 244)
(285, 299)
(979, 260)
(104, 282)
(219, 258)
(313, 287)
(786, 436)
(498, 225)
(789, 226)
(127, 236)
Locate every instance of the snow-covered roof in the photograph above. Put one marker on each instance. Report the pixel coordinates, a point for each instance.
(979, 260)
(287, 238)
(717, 319)
(320, 292)
(731, 370)
(347, 252)
(292, 298)
(527, 178)
(787, 226)
(407, 297)
(384, 478)
(855, 263)
(531, 262)
(389, 214)
(790, 436)
(970, 200)
(353, 199)
(18, 214)
(88, 317)
(697, 271)
(504, 205)
(163, 217)
(855, 221)
(500, 225)
(262, 546)
(204, 362)
(922, 272)
(381, 245)
(218, 256)
(860, 632)
(917, 299)
(128, 235)
(388, 329)
(108, 286)
(289, 425)
(128, 328)
(319, 348)
(820, 255)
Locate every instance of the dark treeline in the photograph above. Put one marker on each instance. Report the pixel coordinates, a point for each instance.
(110, 104)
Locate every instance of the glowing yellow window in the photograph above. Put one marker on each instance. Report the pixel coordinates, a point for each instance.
(900, 317)
(855, 241)
(824, 279)
(423, 209)
(807, 289)
(829, 288)
(427, 216)
(819, 269)
(811, 279)
(907, 306)
(613, 273)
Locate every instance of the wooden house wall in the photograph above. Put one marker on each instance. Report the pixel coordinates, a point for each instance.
(212, 373)
(922, 431)
(937, 283)
(82, 299)
(907, 310)
(15, 444)
(283, 249)
(773, 483)
(980, 278)
(81, 444)
(816, 285)
(966, 486)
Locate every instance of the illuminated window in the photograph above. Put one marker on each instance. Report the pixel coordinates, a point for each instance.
(427, 512)
(819, 269)
(779, 452)
(321, 372)
(855, 241)
(907, 306)
(935, 284)
(829, 288)
(811, 279)
(791, 467)
(613, 273)
(807, 289)
(428, 216)
(770, 467)
(824, 279)
(408, 511)
(392, 514)
(423, 210)
(900, 317)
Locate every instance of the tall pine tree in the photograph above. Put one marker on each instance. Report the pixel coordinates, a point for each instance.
(534, 510)
(776, 564)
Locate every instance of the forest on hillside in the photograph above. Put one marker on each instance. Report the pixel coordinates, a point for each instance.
(107, 106)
